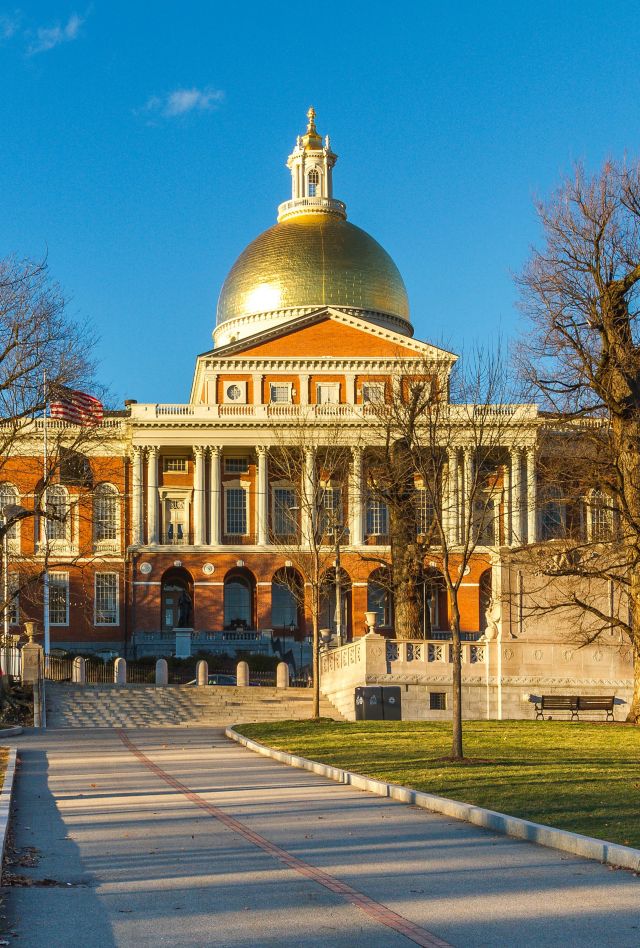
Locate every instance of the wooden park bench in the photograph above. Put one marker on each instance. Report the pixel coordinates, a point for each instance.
(574, 704)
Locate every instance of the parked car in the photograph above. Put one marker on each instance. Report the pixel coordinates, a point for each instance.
(218, 679)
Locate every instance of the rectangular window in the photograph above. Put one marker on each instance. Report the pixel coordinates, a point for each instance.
(280, 392)
(175, 465)
(328, 393)
(106, 599)
(59, 599)
(372, 392)
(424, 511)
(236, 465)
(331, 509)
(57, 514)
(438, 700)
(284, 517)
(235, 511)
(377, 517)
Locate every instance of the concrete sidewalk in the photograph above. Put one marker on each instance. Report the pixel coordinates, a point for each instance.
(185, 839)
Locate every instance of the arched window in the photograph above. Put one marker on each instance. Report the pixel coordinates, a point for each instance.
(600, 517)
(9, 496)
(332, 617)
(313, 181)
(485, 598)
(57, 521)
(105, 514)
(434, 603)
(379, 597)
(286, 600)
(239, 600)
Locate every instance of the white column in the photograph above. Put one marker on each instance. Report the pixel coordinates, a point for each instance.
(214, 495)
(308, 518)
(137, 512)
(516, 487)
(350, 388)
(152, 494)
(508, 515)
(257, 388)
(212, 388)
(262, 506)
(532, 496)
(198, 497)
(468, 488)
(356, 497)
(451, 498)
(304, 388)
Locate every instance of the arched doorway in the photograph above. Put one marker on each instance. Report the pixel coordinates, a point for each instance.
(380, 597)
(434, 612)
(287, 602)
(239, 599)
(339, 622)
(176, 600)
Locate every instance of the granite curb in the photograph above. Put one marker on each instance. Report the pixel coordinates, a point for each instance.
(613, 854)
(11, 731)
(5, 798)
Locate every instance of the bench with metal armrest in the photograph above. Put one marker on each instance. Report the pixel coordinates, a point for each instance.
(574, 704)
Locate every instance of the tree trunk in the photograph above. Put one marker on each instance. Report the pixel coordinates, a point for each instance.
(456, 741)
(633, 716)
(407, 571)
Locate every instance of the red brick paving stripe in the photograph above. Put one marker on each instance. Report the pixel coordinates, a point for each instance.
(375, 910)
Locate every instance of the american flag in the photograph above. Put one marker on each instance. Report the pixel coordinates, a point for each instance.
(75, 407)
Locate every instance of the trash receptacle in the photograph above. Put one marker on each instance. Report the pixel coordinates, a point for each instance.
(391, 703)
(369, 703)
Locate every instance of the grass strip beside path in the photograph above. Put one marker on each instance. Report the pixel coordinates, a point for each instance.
(579, 777)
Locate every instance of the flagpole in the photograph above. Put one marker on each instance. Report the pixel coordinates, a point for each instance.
(45, 578)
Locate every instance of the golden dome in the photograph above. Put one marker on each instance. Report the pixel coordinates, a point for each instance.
(310, 261)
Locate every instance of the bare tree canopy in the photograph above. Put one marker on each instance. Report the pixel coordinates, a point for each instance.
(581, 294)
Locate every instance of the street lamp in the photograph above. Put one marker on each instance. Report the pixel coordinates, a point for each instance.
(339, 531)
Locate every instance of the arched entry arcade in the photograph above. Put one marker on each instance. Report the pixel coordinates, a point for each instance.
(176, 609)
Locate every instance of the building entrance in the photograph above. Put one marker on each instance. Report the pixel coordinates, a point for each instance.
(177, 600)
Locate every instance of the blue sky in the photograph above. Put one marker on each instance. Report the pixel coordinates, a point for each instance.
(143, 146)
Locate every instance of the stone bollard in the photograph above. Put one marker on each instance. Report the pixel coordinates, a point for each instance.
(202, 673)
(242, 675)
(162, 672)
(120, 671)
(282, 675)
(79, 671)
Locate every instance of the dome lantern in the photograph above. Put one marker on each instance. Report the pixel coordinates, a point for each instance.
(311, 166)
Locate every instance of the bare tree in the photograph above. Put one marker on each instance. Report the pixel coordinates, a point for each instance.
(580, 292)
(309, 472)
(448, 438)
(38, 339)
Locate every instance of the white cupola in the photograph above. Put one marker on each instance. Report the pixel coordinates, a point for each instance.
(311, 164)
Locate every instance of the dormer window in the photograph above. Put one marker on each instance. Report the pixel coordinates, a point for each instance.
(313, 183)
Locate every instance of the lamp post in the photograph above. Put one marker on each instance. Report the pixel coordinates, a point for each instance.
(339, 532)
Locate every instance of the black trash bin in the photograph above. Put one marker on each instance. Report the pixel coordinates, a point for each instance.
(391, 703)
(369, 703)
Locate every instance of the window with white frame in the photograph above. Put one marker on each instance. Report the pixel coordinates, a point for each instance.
(105, 514)
(331, 508)
(9, 496)
(57, 520)
(425, 513)
(59, 598)
(284, 516)
(328, 393)
(313, 180)
(235, 511)
(174, 465)
(600, 513)
(377, 517)
(280, 393)
(372, 393)
(236, 465)
(554, 514)
(106, 599)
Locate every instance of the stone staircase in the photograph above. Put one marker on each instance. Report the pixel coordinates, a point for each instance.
(176, 705)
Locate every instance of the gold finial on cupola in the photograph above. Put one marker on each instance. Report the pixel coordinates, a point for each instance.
(311, 139)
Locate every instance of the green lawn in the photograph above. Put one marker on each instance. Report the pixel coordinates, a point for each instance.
(580, 777)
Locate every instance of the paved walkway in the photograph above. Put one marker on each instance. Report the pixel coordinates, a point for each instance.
(177, 837)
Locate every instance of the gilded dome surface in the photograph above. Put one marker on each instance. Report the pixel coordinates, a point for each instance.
(309, 261)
